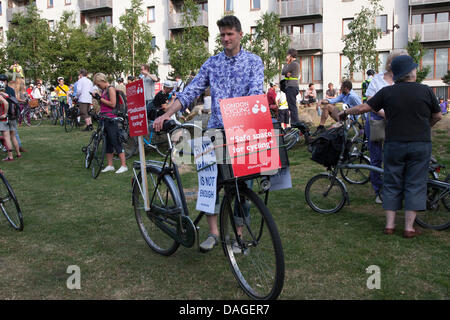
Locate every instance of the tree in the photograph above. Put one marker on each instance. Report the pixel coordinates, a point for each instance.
(360, 42)
(417, 51)
(29, 43)
(134, 40)
(188, 50)
(446, 78)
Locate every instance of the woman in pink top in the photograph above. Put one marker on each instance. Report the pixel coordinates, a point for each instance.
(107, 103)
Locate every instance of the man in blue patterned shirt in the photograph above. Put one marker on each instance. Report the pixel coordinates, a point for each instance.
(232, 73)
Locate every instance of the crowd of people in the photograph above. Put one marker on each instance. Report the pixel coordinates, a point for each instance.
(391, 95)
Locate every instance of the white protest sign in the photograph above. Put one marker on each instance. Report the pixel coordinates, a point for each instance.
(205, 161)
(281, 180)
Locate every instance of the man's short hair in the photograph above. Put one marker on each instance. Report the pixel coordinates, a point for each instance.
(292, 53)
(146, 67)
(311, 84)
(83, 72)
(230, 22)
(347, 84)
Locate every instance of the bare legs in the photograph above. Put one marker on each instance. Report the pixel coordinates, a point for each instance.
(410, 217)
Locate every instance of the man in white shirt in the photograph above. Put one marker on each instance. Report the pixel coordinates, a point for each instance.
(149, 85)
(84, 89)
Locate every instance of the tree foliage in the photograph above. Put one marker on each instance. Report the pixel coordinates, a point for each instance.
(417, 51)
(29, 43)
(134, 39)
(360, 42)
(188, 49)
(446, 78)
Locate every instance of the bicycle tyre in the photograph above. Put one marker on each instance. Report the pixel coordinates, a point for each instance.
(317, 190)
(68, 124)
(291, 137)
(11, 210)
(156, 239)
(356, 176)
(446, 200)
(35, 122)
(55, 116)
(98, 155)
(437, 216)
(260, 280)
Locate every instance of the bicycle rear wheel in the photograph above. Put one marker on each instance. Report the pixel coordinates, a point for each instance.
(149, 223)
(258, 262)
(325, 194)
(437, 215)
(98, 156)
(69, 123)
(9, 205)
(54, 115)
(356, 176)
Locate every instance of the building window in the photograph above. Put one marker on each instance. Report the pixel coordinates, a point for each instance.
(382, 57)
(311, 69)
(1, 9)
(255, 4)
(150, 14)
(67, 2)
(51, 25)
(252, 33)
(430, 18)
(153, 44)
(49, 3)
(381, 23)
(437, 60)
(345, 28)
(1, 34)
(229, 6)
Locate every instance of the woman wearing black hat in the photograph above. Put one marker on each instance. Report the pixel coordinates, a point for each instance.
(411, 109)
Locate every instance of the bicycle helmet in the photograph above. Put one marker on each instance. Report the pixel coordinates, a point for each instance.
(60, 78)
(370, 72)
(3, 77)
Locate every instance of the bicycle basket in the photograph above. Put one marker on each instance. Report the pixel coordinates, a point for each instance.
(224, 161)
(326, 148)
(33, 103)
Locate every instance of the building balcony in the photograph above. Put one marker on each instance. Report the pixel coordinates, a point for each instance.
(425, 2)
(306, 41)
(176, 20)
(299, 8)
(95, 5)
(429, 32)
(12, 11)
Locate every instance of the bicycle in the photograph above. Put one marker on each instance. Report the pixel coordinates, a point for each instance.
(167, 223)
(325, 193)
(71, 118)
(9, 204)
(54, 111)
(96, 148)
(297, 133)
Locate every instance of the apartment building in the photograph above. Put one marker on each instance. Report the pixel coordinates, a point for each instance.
(316, 29)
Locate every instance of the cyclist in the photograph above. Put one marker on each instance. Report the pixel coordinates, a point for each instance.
(84, 88)
(62, 90)
(232, 73)
(8, 127)
(107, 103)
(348, 96)
(370, 73)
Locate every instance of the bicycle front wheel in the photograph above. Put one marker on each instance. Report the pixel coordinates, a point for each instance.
(150, 223)
(9, 205)
(437, 215)
(68, 124)
(36, 116)
(356, 176)
(257, 262)
(98, 156)
(325, 194)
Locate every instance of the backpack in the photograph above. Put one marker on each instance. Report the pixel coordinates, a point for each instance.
(327, 147)
(13, 108)
(121, 102)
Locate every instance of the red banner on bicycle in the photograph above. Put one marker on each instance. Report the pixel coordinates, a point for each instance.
(250, 136)
(137, 111)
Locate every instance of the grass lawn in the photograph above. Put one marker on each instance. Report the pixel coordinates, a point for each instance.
(71, 219)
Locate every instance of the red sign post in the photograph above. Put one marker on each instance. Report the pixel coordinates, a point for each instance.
(137, 112)
(138, 126)
(251, 139)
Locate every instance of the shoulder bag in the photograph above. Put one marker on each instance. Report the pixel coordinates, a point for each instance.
(377, 129)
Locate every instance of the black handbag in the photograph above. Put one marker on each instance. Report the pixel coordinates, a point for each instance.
(283, 85)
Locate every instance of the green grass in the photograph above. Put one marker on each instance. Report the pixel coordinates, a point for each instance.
(71, 219)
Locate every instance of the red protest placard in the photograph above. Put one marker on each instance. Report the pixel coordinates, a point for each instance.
(137, 112)
(251, 139)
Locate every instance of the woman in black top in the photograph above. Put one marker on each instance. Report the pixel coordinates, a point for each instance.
(411, 109)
